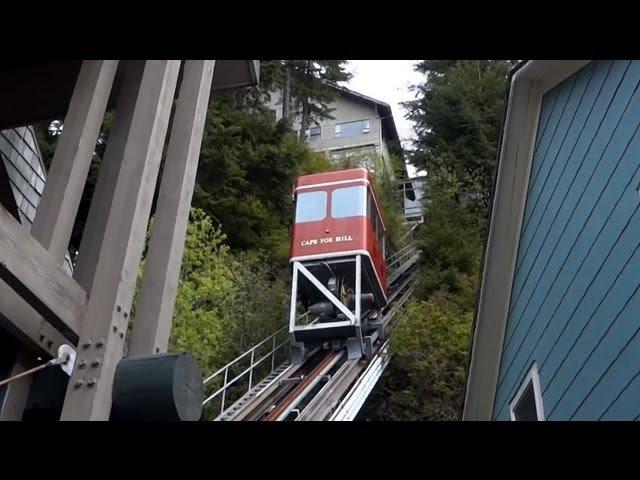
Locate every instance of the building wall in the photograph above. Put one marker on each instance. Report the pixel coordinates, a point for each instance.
(346, 109)
(575, 300)
(23, 160)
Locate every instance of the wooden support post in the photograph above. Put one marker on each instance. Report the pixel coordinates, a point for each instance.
(96, 224)
(154, 311)
(58, 206)
(57, 210)
(105, 321)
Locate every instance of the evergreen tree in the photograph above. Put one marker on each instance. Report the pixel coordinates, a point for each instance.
(308, 87)
(457, 115)
(248, 163)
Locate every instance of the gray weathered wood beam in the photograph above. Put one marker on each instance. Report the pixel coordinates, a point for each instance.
(96, 224)
(57, 211)
(58, 206)
(105, 319)
(154, 310)
(39, 278)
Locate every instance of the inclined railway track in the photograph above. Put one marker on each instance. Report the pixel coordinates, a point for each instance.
(326, 386)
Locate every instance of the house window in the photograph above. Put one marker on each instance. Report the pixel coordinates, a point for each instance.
(527, 403)
(314, 133)
(350, 129)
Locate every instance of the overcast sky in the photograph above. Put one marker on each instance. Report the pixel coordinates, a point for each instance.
(388, 81)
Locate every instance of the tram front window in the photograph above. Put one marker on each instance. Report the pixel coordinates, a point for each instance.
(349, 202)
(311, 206)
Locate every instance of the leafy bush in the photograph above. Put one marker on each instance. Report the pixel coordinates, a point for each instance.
(226, 302)
(425, 379)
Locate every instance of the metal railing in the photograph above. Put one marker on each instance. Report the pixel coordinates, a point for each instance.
(398, 258)
(249, 371)
(223, 373)
(394, 262)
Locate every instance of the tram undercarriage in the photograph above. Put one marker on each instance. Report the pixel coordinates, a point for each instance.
(332, 302)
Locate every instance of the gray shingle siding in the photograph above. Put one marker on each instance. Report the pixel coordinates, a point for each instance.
(23, 160)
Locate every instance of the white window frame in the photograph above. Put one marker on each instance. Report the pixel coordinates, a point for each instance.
(532, 377)
(365, 122)
(308, 133)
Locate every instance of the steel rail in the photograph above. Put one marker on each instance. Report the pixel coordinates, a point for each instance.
(283, 397)
(300, 391)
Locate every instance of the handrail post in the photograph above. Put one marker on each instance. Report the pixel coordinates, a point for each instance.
(224, 391)
(273, 353)
(251, 368)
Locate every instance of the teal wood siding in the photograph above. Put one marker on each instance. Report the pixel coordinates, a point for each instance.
(575, 304)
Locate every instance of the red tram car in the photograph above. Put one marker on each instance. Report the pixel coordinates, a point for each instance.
(338, 248)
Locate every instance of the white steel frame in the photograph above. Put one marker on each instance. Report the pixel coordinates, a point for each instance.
(354, 318)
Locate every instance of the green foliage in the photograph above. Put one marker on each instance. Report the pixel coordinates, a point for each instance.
(457, 116)
(390, 201)
(225, 302)
(310, 84)
(450, 240)
(203, 313)
(248, 163)
(314, 162)
(425, 379)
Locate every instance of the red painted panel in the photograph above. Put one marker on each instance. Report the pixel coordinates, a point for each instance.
(336, 176)
(334, 235)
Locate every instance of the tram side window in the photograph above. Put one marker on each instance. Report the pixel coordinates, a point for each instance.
(379, 231)
(311, 207)
(371, 208)
(372, 213)
(349, 202)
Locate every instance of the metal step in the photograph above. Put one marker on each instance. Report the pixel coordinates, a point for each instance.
(239, 404)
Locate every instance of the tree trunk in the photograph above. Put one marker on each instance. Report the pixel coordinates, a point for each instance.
(304, 120)
(286, 92)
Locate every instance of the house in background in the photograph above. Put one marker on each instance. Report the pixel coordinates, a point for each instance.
(361, 129)
(557, 329)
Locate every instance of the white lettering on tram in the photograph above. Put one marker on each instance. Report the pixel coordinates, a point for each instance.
(325, 240)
